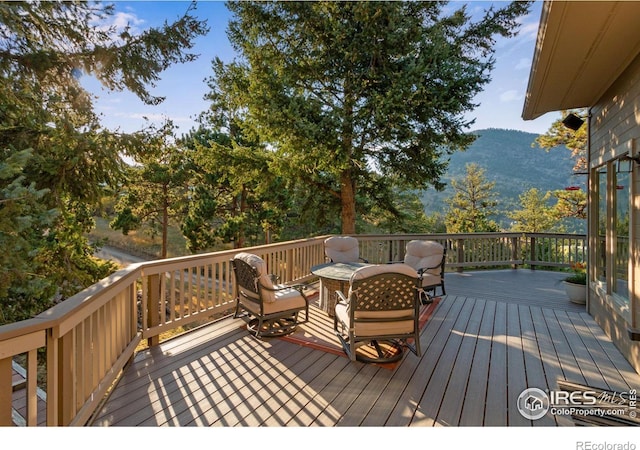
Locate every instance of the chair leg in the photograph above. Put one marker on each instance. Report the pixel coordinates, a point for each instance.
(236, 314)
(352, 348)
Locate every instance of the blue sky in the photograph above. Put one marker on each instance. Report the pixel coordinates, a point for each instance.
(184, 85)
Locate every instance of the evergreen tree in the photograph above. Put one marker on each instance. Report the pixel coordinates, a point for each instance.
(237, 197)
(570, 204)
(472, 203)
(535, 215)
(156, 187)
(55, 158)
(347, 91)
(576, 141)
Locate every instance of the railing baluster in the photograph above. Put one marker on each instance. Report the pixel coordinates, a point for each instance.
(95, 330)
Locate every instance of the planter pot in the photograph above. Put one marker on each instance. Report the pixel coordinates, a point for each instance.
(577, 293)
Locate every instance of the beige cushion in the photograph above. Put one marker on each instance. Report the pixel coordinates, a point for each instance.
(377, 269)
(378, 328)
(423, 254)
(431, 280)
(283, 300)
(342, 249)
(263, 276)
(375, 328)
(254, 261)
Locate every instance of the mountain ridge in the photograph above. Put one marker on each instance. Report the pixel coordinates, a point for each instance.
(514, 163)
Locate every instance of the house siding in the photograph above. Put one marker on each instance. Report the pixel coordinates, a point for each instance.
(614, 127)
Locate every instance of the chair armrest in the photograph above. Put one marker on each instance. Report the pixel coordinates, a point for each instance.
(282, 287)
(424, 269)
(274, 278)
(341, 297)
(298, 287)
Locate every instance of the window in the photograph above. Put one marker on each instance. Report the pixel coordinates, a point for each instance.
(621, 235)
(612, 199)
(601, 250)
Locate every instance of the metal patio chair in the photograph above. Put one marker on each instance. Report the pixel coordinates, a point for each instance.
(428, 258)
(270, 309)
(382, 310)
(342, 249)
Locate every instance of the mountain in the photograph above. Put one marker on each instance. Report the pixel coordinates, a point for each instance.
(509, 159)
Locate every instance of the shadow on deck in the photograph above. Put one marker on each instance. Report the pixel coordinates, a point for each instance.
(492, 336)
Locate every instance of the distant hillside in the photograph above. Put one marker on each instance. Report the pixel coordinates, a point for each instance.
(510, 160)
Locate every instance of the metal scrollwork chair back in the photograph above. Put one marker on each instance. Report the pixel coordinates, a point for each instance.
(382, 306)
(270, 309)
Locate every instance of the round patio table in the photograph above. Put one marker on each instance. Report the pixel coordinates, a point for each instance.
(334, 277)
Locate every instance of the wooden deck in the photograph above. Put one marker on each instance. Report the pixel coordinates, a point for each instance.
(492, 336)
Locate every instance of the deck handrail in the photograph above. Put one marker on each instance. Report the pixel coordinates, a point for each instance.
(90, 337)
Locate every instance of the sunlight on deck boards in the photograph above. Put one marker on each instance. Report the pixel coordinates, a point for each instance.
(479, 354)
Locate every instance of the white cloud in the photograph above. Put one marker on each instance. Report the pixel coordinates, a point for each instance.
(530, 30)
(118, 22)
(123, 19)
(523, 63)
(510, 96)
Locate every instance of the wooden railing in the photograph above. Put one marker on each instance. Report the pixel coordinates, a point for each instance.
(89, 338)
(483, 250)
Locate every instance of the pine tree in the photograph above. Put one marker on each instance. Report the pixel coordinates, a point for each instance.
(575, 140)
(348, 91)
(52, 147)
(472, 203)
(156, 187)
(535, 215)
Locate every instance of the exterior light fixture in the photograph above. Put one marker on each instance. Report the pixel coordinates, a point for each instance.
(572, 122)
(625, 164)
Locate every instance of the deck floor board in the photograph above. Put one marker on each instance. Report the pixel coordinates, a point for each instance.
(476, 392)
(452, 400)
(479, 351)
(432, 400)
(495, 413)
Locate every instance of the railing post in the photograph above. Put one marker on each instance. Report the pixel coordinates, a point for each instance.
(152, 302)
(6, 392)
(515, 251)
(60, 394)
(460, 255)
(391, 256)
(533, 252)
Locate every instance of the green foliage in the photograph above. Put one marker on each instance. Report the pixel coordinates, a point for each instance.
(156, 186)
(55, 159)
(577, 278)
(23, 221)
(535, 215)
(472, 204)
(579, 275)
(347, 91)
(392, 210)
(576, 141)
(570, 204)
(235, 197)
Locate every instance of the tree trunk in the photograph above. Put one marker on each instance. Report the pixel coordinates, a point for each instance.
(165, 220)
(347, 181)
(348, 201)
